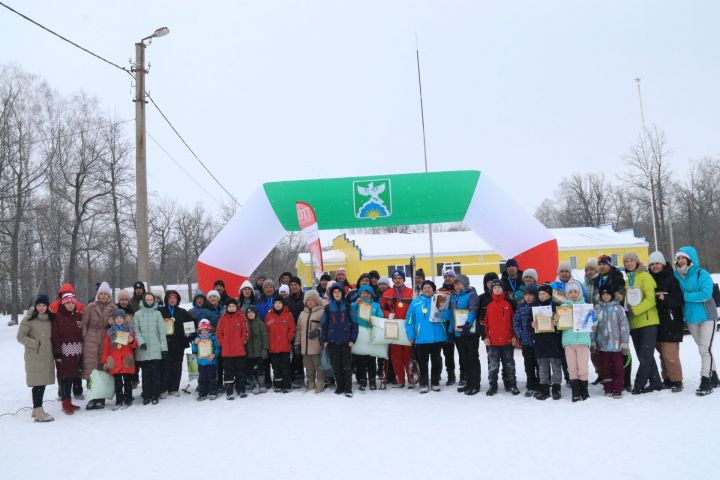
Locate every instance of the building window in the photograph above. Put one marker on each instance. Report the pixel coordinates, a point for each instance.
(614, 258)
(441, 267)
(573, 262)
(404, 268)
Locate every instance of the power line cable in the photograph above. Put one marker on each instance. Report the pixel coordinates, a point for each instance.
(167, 120)
(152, 100)
(183, 169)
(99, 57)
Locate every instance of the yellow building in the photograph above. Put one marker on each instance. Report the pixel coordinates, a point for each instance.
(464, 251)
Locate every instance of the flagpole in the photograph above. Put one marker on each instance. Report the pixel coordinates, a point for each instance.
(422, 120)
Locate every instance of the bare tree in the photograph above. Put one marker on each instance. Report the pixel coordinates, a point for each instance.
(162, 234)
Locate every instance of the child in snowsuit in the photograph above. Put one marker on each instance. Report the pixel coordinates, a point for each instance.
(577, 347)
(118, 358)
(281, 334)
(207, 365)
(500, 340)
(611, 339)
(339, 332)
(548, 351)
(522, 326)
(232, 335)
(256, 350)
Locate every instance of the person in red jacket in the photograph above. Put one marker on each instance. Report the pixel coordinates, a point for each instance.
(500, 340)
(77, 388)
(281, 334)
(232, 335)
(396, 301)
(118, 358)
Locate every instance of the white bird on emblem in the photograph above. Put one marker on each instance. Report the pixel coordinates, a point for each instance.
(372, 191)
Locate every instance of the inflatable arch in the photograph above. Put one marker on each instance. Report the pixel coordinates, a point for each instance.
(377, 201)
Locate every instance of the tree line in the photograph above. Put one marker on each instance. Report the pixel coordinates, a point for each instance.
(67, 201)
(686, 205)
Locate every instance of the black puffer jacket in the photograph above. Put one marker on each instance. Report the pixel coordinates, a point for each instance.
(671, 307)
(177, 341)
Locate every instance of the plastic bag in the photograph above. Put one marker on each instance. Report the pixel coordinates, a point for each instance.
(396, 335)
(101, 385)
(325, 364)
(363, 345)
(193, 372)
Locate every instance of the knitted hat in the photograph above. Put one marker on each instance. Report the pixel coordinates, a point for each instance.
(449, 272)
(231, 301)
(296, 280)
(532, 273)
(68, 297)
(631, 256)
(573, 286)
(463, 279)
(44, 299)
(680, 253)
(340, 270)
(531, 290)
(251, 307)
(656, 257)
(245, 284)
(205, 325)
(374, 274)
(123, 294)
(607, 289)
(511, 263)
(119, 313)
(496, 283)
(219, 282)
(325, 276)
(564, 267)
(386, 281)
(592, 263)
(104, 288)
(398, 272)
(267, 282)
(139, 284)
(420, 273)
(213, 293)
(605, 259)
(545, 288)
(284, 289)
(431, 283)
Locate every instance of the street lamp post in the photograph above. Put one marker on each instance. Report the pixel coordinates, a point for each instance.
(141, 212)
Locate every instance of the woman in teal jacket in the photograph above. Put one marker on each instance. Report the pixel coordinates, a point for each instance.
(150, 333)
(365, 365)
(700, 312)
(428, 337)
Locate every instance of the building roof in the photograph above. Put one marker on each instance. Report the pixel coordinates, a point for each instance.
(393, 245)
(330, 257)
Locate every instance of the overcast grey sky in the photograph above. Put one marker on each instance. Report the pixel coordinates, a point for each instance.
(277, 90)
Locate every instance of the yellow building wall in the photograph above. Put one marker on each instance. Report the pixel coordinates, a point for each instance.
(470, 264)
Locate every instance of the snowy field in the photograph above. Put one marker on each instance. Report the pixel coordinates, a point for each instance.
(382, 434)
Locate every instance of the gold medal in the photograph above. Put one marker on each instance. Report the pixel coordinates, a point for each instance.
(424, 310)
(401, 304)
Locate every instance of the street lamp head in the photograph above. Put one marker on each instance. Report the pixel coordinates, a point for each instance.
(161, 32)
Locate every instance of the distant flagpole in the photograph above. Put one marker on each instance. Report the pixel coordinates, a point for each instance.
(422, 120)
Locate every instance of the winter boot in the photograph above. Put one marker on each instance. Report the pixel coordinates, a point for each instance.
(714, 380)
(435, 388)
(492, 390)
(676, 387)
(705, 387)
(41, 416)
(67, 407)
(575, 385)
(543, 392)
(200, 398)
(461, 384)
(556, 394)
(424, 389)
(261, 384)
(597, 381)
(373, 384)
(362, 385)
(451, 380)
(348, 394)
(229, 391)
(472, 391)
(584, 395)
(513, 389)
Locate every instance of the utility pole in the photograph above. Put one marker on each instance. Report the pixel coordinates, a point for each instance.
(141, 212)
(652, 183)
(141, 197)
(422, 119)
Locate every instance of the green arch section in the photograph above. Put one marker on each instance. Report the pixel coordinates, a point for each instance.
(376, 201)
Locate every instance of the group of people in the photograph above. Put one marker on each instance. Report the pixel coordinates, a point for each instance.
(282, 337)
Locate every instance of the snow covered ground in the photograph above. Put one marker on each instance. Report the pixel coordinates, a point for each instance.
(390, 434)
